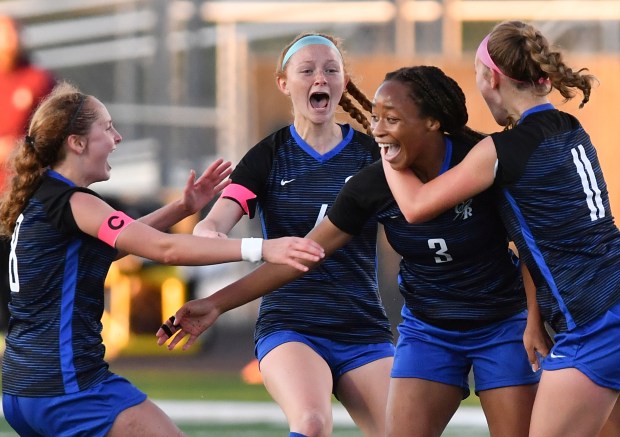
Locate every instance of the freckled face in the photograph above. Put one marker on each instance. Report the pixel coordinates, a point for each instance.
(397, 125)
(101, 141)
(315, 81)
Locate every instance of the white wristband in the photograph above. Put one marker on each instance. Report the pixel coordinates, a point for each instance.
(252, 249)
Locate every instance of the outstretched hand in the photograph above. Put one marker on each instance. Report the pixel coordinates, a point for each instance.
(199, 192)
(291, 251)
(192, 319)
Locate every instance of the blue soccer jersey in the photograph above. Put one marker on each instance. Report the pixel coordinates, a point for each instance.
(295, 186)
(457, 271)
(556, 209)
(54, 345)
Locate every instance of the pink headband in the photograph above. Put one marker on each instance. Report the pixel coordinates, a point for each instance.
(483, 54)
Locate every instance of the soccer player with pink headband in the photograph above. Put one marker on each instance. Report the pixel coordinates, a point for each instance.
(555, 206)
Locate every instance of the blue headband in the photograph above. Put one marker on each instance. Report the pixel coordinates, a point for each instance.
(307, 41)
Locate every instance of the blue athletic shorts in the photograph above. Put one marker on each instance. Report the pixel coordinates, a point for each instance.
(89, 412)
(340, 357)
(495, 352)
(593, 348)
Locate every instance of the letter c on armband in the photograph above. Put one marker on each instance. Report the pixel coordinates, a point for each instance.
(112, 227)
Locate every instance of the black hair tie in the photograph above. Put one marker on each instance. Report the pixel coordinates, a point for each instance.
(29, 141)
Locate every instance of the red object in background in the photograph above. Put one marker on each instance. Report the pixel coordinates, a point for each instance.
(22, 86)
(20, 91)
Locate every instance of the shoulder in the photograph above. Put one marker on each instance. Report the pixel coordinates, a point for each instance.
(267, 147)
(537, 127)
(369, 175)
(362, 138)
(366, 142)
(53, 189)
(60, 200)
(276, 138)
(368, 185)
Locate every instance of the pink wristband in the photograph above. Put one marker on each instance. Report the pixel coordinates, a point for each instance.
(112, 227)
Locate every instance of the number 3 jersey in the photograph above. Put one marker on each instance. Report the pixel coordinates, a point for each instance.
(556, 208)
(57, 275)
(457, 271)
(294, 186)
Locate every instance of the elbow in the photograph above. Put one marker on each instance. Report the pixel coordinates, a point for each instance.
(170, 255)
(416, 215)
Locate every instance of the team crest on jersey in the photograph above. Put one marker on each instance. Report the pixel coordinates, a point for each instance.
(463, 210)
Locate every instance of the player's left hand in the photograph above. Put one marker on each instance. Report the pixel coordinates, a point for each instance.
(537, 342)
(192, 319)
(199, 192)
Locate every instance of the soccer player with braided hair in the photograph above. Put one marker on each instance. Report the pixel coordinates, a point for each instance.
(555, 206)
(328, 331)
(465, 303)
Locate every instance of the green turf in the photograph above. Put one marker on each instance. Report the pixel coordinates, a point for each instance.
(194, 384)
(198, 385)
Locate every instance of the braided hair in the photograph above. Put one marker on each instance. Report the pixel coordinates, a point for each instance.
(524, 54)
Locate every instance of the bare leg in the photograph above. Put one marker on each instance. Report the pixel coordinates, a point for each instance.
(508, 410)
(364, 392)
(144, 420)
(300, 381)
(569, 404)
(612, 426)
(420, 408)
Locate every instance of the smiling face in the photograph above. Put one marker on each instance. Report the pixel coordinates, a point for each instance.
(100, 142)
(315, 81)
(399, 128)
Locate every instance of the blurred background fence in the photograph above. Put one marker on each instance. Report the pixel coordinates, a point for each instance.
(190, 80)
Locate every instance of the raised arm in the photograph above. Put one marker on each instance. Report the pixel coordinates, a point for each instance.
(196, 316)
(420, 202)
(196, 195)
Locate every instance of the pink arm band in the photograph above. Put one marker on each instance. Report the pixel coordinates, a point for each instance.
(239, 194)
(112, 227)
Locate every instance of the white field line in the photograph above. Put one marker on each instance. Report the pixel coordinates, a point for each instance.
(268, 412)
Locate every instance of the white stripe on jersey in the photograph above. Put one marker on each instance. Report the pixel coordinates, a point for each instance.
(588, 182)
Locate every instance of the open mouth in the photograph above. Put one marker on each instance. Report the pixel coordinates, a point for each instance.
(319, 100)
(391, 150)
